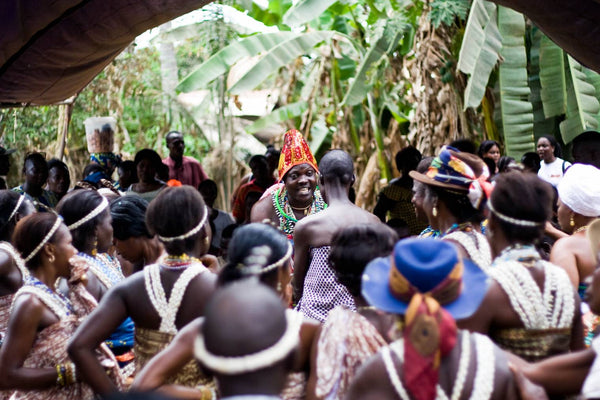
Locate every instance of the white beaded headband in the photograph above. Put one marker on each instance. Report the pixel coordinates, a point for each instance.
(93, 214)
(189, 233)
(14, 212)
(279, 262)
(45, 239)
(511, 220)
(252, 362)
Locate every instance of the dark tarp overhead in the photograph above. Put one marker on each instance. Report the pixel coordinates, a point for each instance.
(573, 24)
(51, 49)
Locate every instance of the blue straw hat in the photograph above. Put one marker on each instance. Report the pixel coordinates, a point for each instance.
(426, 266)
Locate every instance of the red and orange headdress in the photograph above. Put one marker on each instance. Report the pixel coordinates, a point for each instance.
(295, 151)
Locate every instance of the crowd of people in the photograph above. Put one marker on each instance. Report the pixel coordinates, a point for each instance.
(475, 276)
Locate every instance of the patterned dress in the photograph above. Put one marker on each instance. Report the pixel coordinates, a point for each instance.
(347, 340)
(50, 345)
(322, 292)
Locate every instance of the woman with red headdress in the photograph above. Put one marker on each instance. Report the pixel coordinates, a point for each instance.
(297, 194)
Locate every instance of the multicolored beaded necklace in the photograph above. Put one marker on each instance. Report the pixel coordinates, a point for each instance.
(107, 274)
(58, 297)
(464, 227)
(180, 262)
(287, 220)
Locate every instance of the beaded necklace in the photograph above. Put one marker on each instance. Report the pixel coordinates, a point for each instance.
(285, 213)
(474, 243)
(554, 308)
(7, 247)
(580, 229)
(101, 267)
(56, 301)
(177, 263)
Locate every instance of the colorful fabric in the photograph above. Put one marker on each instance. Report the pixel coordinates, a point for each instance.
(578, 190)
(106, 160)
(295, 151)
(46, 200)
(322, 292)
(429, 232)
(346, 341)
(190, 172)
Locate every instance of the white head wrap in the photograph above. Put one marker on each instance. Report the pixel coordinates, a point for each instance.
(579, 189)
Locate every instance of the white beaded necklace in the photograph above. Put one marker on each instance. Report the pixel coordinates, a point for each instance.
(554, 308)
(476, 246)
(167, 309)
(7, 247)
(59, 306)
(107, 274)
(484, 379)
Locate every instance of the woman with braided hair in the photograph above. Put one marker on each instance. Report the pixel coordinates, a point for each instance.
(531, 308)
(162, 298)
(33, 359)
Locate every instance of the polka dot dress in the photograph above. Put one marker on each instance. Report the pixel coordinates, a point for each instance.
(322, 292)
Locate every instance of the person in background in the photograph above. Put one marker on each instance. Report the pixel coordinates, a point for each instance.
(531, 162)
(131, 237)
(490, 149)
(147, 163)
(186, 170)
(35, 170)
(552, 167)
(59, 178)
(127, 174)
(219, 219)
(262, 179)
(4, 165)
(586, 148)
(395, 199)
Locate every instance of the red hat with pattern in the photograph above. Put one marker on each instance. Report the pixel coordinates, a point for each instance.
(295, 151)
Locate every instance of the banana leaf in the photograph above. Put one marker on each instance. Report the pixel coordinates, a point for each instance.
(281, 114)
(552, 78)
(219, 63)
(278, 56)
(516, 110)
(305, 11)
(480, 50)
(582, 104)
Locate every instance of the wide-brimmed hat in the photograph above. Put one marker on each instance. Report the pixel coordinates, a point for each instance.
(427, 266)
(458, 171)
(5, 152)
(295, 151)
(593, 235)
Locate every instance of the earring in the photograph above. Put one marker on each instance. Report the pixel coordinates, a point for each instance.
(95, 247)
(571, 222)
(51, 259)
(278, 287)
(434, 211)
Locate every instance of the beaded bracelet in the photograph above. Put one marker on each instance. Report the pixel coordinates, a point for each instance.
(61, 375)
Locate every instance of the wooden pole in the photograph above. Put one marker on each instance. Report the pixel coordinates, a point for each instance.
(64, 118)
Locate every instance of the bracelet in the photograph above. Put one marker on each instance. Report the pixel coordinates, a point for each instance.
(60, 372)
(71, 374)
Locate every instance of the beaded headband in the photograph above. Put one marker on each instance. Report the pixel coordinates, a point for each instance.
(511, 220)
(14, 211)
(189, 233)
(279, 262)
(45, 239)
(93, 214)
(252, 362)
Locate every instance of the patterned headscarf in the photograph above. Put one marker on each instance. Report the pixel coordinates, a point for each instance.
(295, 151)
(104, 159)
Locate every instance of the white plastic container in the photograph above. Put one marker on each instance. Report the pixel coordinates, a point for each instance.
(100, 134)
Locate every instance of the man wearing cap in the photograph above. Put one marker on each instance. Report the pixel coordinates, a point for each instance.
(423, 282)
(4, 165)
(186, 170)
(314, 284)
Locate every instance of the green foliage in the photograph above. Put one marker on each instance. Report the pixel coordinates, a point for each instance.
(446, 11)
